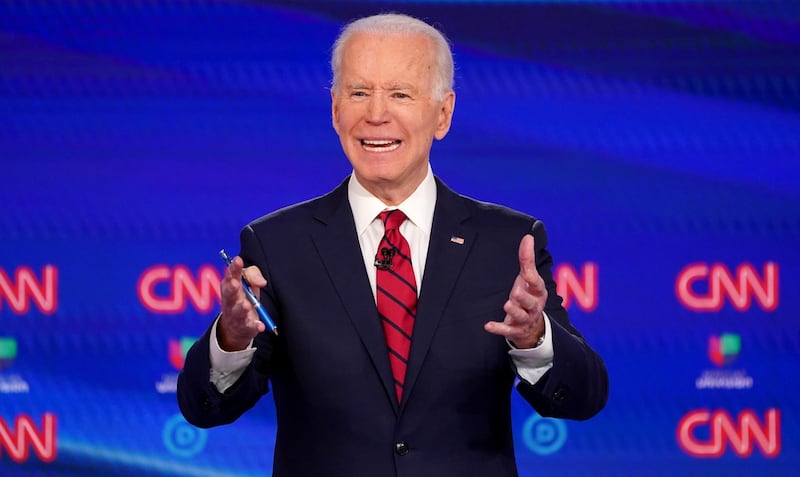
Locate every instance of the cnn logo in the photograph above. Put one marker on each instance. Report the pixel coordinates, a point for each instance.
(742, 435)
(165, 289)
(704, 287)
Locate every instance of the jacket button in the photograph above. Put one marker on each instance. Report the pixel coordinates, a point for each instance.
(401, 448)
(560, 395)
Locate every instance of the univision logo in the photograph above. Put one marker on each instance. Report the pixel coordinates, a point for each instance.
(178, 349)
(10, 383)
(8, 352)
(724, 349)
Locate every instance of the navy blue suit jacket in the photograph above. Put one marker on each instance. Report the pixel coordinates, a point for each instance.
(329, 373)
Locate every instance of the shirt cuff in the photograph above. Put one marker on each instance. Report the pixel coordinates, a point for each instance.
(227, 366)
(532, 363)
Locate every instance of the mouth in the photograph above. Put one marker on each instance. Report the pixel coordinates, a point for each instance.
(380, 145)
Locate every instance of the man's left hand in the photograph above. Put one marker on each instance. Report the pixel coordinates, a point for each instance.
(523, 324)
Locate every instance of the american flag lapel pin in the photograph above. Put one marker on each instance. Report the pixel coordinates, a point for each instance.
(457, 240)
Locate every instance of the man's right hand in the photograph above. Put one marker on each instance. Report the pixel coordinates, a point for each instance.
(239, 322)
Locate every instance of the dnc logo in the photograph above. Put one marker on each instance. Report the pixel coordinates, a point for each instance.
(544, 436)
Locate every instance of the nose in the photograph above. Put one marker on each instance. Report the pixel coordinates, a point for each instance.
(377, 112)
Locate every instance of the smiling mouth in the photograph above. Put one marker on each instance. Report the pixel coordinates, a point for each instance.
(380, 145)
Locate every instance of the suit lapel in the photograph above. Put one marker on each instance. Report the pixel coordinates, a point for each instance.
(449, 247)
(339, 251)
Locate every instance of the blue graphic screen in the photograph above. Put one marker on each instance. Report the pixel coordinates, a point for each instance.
(658, 141)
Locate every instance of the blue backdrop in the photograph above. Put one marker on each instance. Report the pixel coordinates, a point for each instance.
(658, 141)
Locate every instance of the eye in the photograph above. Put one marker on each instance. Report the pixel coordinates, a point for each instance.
(399, 95)
(358, 94)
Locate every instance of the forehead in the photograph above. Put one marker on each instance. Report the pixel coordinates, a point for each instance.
(393, 57)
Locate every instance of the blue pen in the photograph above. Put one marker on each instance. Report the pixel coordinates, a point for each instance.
(262, 313)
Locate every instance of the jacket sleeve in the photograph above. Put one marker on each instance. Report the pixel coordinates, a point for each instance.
(576, 387)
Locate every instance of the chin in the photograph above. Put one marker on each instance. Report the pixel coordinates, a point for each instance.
(376, 169)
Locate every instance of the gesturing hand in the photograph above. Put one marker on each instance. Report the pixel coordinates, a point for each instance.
(239, 322)
(523, 324)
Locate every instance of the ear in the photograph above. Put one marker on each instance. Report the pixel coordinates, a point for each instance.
(447, 106)
(334, 111)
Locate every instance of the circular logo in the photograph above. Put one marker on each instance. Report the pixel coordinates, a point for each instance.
(544, 436)
(183, 439)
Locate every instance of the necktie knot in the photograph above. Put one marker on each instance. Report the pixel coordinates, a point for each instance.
(392, 219)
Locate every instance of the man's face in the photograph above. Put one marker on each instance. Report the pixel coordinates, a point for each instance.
(385, 113)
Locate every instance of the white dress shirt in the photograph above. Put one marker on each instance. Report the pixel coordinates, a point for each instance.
(531, 364)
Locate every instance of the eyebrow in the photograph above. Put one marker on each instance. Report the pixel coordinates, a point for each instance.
(393, 87)
(401, 86)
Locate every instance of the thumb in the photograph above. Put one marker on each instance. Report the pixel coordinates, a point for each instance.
(254, 277)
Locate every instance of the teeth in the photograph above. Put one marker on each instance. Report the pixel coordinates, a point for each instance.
(380, 145)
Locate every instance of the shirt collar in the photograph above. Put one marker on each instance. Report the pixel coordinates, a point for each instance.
(418, 207)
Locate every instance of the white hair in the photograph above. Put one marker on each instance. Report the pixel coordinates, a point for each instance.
(399, 24)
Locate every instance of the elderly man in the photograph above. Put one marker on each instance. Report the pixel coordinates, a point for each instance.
(405, 311)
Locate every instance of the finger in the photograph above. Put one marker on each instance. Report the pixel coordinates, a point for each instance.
(496, 328)
(232, 293)
(524, 331)
(241, 311)
(231, 289)
(244, 317)
(235, 267)
(502, 329)
(526, 254)
(524, 294)
(515, 314)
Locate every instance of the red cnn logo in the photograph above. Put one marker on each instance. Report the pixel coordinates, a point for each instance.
(26, 288)
(17, 442)
(582, 289)
(740, 435)
(177, 287)
(740, 288)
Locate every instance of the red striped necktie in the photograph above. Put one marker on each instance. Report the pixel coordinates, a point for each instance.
(396, 294)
